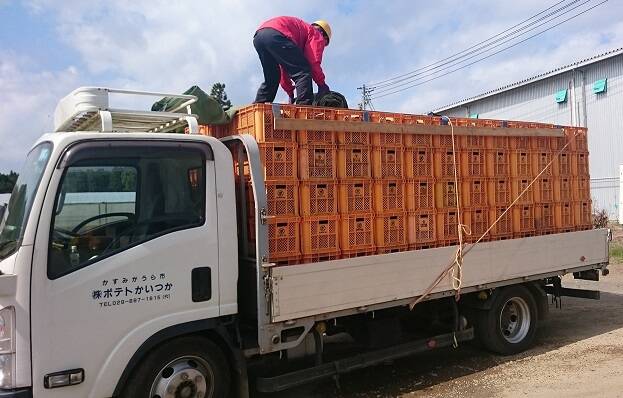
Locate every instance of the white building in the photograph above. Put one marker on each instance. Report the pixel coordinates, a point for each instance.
(586, 93)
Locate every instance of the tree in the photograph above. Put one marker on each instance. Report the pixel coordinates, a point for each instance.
(7, 182)
(218, 92)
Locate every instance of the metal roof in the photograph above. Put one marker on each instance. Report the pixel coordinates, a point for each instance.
(553, 72)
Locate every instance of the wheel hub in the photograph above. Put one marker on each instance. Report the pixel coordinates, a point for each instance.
(186, 377)
(515, 320)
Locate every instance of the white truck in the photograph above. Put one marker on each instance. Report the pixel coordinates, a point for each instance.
(124, 274)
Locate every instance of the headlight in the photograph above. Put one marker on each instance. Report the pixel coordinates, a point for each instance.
(7, 347)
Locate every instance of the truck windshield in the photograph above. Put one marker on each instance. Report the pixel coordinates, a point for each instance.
(20, 203)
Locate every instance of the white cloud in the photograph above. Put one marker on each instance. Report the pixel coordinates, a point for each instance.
(162, 45)
(28, 100)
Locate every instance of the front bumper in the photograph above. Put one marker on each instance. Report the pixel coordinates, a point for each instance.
(19, 393)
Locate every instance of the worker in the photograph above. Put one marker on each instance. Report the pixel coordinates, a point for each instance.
(291, 49)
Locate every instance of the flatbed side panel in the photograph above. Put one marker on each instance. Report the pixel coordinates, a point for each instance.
(312, 289)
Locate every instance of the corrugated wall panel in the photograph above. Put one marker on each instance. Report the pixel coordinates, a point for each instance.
(603, 117)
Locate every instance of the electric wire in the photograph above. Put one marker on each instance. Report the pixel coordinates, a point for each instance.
(385, 94)
(454, 64)
(476, 48)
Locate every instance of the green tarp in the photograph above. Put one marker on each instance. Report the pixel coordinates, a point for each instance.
(207, 109)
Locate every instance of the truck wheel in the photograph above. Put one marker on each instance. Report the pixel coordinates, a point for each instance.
(509, 327)
(188, 367)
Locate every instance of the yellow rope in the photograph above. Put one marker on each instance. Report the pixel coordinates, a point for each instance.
(456, 266)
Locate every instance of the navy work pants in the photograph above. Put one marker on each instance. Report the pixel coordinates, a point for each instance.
(275, 49)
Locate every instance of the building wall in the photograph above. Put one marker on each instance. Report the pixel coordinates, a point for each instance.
(601, 113)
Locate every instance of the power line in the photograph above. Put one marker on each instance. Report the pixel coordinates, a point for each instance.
(477, 47)
(453, 63)
(469, 48)
(490, 55)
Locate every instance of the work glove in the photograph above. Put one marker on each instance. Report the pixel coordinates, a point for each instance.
(291, 99)
(323, 89)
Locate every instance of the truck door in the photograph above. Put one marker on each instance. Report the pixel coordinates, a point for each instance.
(124, 226)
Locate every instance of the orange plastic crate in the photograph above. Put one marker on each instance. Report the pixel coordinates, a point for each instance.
(389, 196)
(387, 139)
(354, 162)
(498, 163)
(319, 197)
(521, 163)
(473, 163)
(390, 231)
(518, 185)
(581, 187)
(419, 162)
(284, 238)
(578, 138)
(541, 143)
(503, 228)
(387, 162)
(542, 161)
(563, 165)
(544, 190)
(498, 142)
(279, 160)
(281, 198)
(523, 220)
(358, 253)
(444, 163)
(320, 257)
(357, 233)
(352, 137)
(445, 193)
(447, 226)
(583, 214)
(422, 229)
(564, 216)
(472, 141)
(499, 191)
(258, 120)
(313, 137)
(418, 141)
(444, 142)
(477, 221)
(474, 192)
(318, 162)
(356, 196)
(519, 143)
(544, 218)
(320, 235)
(420, 194)
(214, 130)
(563, 189)
(579, 164)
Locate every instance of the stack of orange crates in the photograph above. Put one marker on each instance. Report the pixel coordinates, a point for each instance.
(347, 194)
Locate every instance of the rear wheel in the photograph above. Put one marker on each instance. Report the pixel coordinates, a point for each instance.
(509, 327)
(187, 367)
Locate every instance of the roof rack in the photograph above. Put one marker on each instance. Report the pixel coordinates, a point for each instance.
(88, 109)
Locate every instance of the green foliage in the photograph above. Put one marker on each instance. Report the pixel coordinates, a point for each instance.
(7, 182)
(218, 92)
(616, 252)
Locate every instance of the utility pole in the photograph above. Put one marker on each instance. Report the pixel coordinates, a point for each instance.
(366, 101)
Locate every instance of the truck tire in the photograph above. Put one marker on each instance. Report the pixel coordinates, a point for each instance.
(509, 326)
(184, 367)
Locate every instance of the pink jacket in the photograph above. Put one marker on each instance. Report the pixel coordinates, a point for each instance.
(308, 39)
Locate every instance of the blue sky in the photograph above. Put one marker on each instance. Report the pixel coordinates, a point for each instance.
(48, 48)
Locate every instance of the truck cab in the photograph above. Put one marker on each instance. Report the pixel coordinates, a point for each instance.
(111, 234)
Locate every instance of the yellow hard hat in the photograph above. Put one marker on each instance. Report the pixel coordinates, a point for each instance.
(325, 26)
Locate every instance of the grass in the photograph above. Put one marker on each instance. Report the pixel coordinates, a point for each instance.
(616, 252)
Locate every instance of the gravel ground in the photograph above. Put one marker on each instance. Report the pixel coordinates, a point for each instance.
(578, 353)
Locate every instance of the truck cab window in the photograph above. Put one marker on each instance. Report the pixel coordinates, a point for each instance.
(109, 204)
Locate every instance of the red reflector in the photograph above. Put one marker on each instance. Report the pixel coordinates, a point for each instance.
(431, 343)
